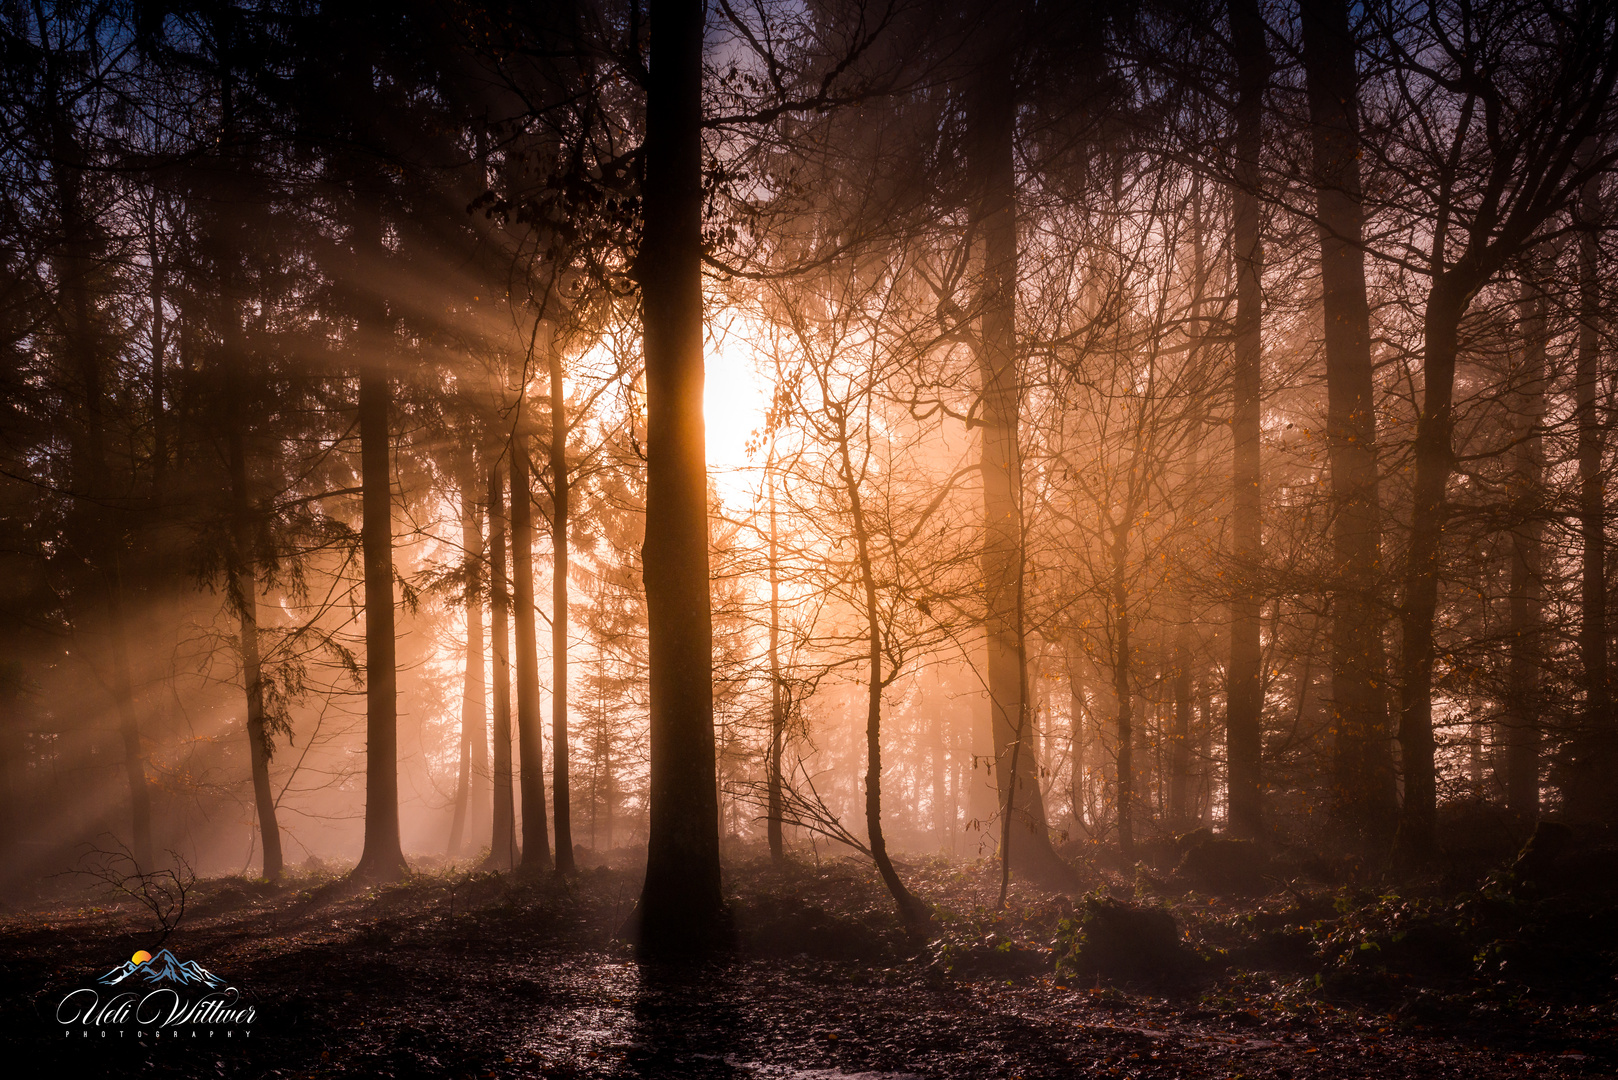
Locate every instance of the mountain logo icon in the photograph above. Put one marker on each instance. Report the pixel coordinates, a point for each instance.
(163, 968)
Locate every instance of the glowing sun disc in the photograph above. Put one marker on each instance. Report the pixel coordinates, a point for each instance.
(140, 957)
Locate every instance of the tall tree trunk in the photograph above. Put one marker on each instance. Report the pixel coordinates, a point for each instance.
(536, 846)
(242, 565)
(778, 710)
(1527, 590)
(681, 905)
(1180, 739)
(382, 857)
(1365, 797)
(503, 850)
(1593, 742)
(992, 126)
(75, 265)
(479, 813)
(1434, 458)
(158, 390)
(244, 596)
(1244, 693)
(474, 725)
(560, 789)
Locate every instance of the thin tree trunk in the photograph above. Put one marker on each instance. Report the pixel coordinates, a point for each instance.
(777, 694)
(608, 806)
(561, 792)
(1592, 746)
(1122, 680)
(681, 905)
(503, 851)
(1180, 739)
(536, 847)
(1024, 737)
(1527, 590)
(479, 813)
(382, 857)
(160, 427)
(244, 594)
(474, 725)
(1205, 757)
(939, 767)
(1076, 755)
(1365, 798)
(1244, 689)
(911, 910)
(1434, 458)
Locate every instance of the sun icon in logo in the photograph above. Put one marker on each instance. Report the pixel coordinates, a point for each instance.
(140, 957)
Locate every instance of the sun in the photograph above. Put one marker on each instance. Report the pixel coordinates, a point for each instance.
(140, 957)
(735, 398)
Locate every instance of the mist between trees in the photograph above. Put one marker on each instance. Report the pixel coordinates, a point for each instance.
(1119, 419)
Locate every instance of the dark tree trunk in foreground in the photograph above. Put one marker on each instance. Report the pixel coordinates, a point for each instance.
(75, 265)
(1364, 794)
(681, 906)
(1244, 692)
(560, 791)
(992, 124)
(503, 851)
(536, 845)
(1526, 651)
(474, 726)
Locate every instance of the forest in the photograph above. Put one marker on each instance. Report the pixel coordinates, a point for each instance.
(807, 539)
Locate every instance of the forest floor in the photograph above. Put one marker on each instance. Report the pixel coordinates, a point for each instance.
(465, 974)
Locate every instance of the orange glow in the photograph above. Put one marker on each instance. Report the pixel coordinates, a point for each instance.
(735, 398)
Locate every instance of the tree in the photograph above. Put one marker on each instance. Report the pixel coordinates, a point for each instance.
(536, 847)
(680, 906)
(1244, 694)
(559, 481)
(503, 851)
(1594, 745)
(1499, 166)
(1025, 837)
(1364, 789)
(471, 781)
